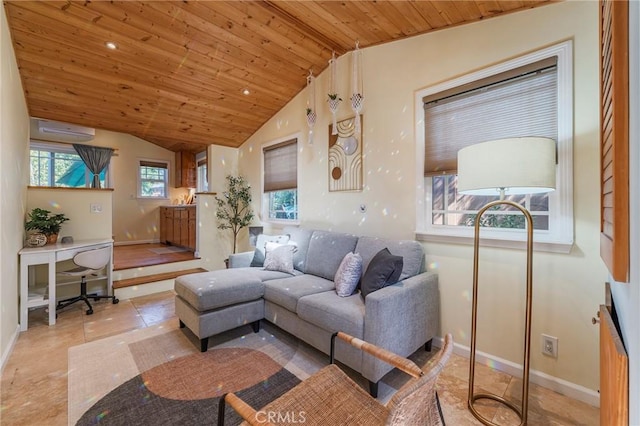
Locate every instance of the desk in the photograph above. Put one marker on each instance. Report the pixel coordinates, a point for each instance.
(50, 255)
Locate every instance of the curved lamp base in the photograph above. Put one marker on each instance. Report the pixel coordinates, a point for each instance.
(497, 398)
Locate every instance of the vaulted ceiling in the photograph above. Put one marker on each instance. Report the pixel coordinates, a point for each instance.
(180, 68)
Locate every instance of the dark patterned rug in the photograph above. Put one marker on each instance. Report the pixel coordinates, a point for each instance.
(156, 376)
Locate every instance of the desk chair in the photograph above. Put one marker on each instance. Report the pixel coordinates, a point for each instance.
(88, 262)
(330, 397)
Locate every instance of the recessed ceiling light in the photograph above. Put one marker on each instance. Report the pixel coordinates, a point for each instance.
(111, 45)
(246, 92)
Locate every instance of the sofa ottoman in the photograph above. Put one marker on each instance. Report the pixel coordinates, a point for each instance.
(212, 302)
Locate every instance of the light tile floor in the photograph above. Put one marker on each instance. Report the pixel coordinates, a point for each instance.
(34, 381)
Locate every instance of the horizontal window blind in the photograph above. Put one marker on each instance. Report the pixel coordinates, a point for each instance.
(281, 166)
(522, 105)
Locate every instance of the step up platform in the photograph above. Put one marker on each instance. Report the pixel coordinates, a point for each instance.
(130, 282)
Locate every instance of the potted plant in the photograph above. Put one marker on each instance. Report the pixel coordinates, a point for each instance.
(234, 207)
(43, 221)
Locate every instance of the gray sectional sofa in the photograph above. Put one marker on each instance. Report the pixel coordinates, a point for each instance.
(401, 317)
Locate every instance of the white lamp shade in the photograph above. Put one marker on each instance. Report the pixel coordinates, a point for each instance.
(517, 165)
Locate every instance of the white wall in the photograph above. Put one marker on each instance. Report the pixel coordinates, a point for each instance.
(568, 288)
(215, 244)
(627, 296)
(76, 205)
(135, 220)
(14, 176)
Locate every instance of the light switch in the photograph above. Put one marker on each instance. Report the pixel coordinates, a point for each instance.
(96, 208)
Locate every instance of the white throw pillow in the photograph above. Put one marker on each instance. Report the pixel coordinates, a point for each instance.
(279, 257)
(258, 255)
(348, 274)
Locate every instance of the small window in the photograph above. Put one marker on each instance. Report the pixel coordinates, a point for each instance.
(280, 181)
(58, 165)
(202, 177)
(153, 179)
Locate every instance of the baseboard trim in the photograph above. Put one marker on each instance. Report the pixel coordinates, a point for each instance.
(9, 350)
(545, 380)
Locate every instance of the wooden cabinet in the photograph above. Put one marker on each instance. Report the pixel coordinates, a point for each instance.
(186, 173)
(178, 226)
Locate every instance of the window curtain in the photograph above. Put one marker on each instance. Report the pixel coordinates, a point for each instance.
(517, 103)
(281, 166)
(95, 158)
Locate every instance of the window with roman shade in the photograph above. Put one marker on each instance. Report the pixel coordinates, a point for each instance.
(280, 180)
(527, 96)
(515, 103)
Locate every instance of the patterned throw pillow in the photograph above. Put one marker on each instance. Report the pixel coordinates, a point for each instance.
(348, 274)
(279, 257)
(262, 240)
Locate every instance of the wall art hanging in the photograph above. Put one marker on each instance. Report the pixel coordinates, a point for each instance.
(345, 156)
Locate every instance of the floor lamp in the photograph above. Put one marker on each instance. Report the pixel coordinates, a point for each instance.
(505, 167)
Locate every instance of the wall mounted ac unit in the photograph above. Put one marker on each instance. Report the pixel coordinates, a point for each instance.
(65, 130)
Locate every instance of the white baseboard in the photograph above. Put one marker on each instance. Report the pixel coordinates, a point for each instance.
(545, 380)
(130, 243)
(7, 352)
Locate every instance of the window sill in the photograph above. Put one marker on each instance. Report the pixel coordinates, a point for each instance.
(60, 188)
(288, 222)
(152, 198)
(542, 246)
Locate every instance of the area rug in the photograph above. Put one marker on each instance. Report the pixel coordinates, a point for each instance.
(167, 250)
(157, 376)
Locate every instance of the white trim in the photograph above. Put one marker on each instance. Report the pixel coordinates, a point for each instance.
(560, 201)
(551, 247)
(555, 384)
(264, 202)
(9, 350)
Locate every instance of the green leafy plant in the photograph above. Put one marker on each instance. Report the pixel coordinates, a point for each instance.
(234, 207)
(334, 96)
(43, 221)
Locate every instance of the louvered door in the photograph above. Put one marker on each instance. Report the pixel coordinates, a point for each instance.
(614, 137)
(614, 374)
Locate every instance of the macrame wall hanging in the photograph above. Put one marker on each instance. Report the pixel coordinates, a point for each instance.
(333, 99)
(357, 94)
(311, 104)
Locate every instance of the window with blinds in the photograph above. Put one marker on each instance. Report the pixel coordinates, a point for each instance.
(523, 103)
(528, 96)
(153, 179)
(280, 180)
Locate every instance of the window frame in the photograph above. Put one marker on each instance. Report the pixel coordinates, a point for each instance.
(264, 196)
(560, 236)
(140, 180)
(63, 148)
(202, 181)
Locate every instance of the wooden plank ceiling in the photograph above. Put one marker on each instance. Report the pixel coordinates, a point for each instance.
(179, 71)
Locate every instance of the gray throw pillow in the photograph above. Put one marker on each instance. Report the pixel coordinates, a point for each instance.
(384, 269)
(262, 240)
(348, 274)
(279, 257)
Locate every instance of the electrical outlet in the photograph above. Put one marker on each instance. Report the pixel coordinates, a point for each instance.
(550, 346)
(96, 208)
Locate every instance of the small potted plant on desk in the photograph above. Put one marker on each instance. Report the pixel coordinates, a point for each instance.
(44, 222)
